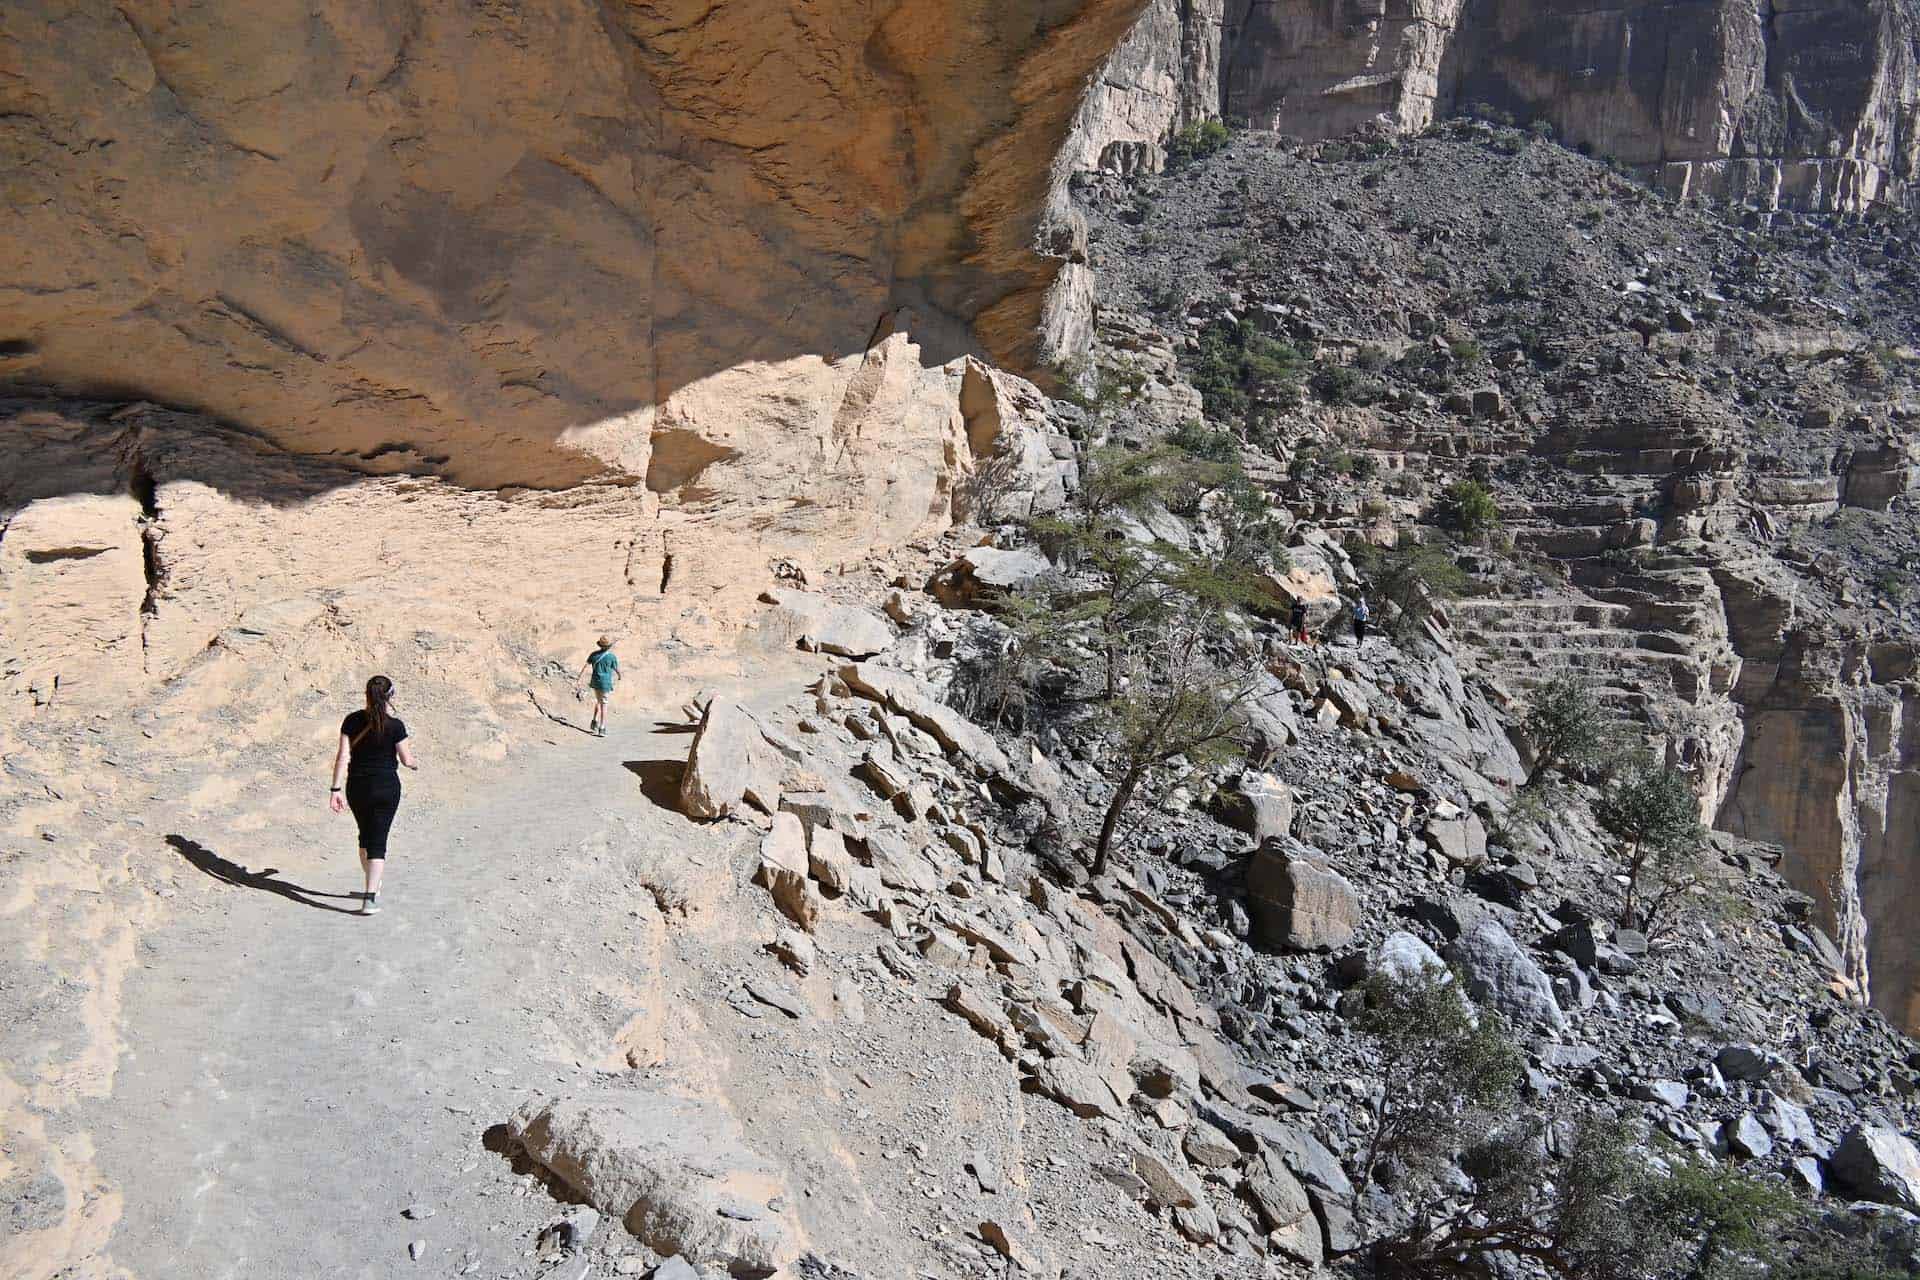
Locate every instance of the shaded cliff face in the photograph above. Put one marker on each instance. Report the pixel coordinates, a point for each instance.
(494, 241)
(1811, 105)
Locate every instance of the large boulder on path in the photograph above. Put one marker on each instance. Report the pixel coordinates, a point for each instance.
(1499, 974)
(677, 1173)
(826, 626)
(1300, 903)
(1877, 1164)
(735, 761)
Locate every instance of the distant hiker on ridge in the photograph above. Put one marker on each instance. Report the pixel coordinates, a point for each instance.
(1299, 620)
(1362, 614)
(366, 771)
(606, 673)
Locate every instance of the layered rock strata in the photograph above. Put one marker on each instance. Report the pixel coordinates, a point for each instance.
(1810, 105)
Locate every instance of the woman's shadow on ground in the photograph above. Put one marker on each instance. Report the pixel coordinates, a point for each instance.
(233, 873)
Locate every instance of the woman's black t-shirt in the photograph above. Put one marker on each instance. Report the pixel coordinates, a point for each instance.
(373, 753)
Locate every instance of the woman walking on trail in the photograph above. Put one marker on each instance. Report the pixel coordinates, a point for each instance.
(605, 669)
(1298, 619)
(366, 779)
(1362, 615)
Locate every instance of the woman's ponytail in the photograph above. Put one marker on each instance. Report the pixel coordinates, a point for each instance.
(379, 694)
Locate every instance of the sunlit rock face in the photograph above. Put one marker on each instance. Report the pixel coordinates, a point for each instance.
(495, 240)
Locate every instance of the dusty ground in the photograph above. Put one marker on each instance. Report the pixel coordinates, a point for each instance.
(273, 1081)
(295, 1076)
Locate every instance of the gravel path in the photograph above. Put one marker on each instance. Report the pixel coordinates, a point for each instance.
(296, 1076)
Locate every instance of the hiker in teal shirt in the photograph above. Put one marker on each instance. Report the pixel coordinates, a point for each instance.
(605, 669)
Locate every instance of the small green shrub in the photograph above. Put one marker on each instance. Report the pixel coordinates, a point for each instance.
(1205, 443)
(1237, 370)
(1197, 141)
(1341, 384)
(1468, 509)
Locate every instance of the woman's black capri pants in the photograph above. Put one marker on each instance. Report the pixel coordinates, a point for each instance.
(374, 799)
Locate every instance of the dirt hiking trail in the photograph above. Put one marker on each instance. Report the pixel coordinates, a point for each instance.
(296, 1076)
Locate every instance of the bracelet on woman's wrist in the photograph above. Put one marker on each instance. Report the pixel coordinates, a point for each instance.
(336, 788)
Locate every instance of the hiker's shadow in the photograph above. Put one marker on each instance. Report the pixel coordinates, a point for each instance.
(233, 873)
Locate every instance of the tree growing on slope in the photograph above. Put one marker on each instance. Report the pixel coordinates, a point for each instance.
(1178, 704)
(1173, 671)
(1411, 581)
(1444, 1071)
(1653, 810)
(1476, 1181)
(1566, 726)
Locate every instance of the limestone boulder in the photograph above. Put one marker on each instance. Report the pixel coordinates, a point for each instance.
(1501, 975)
(1461, 838)
(1169, 1180)
(1016, 469)
(735, 761)
(827, 626)
(1308, 579)
(901, 692)
(980, 575)
(829, 861)
(1282, 1203)
(1878, 1164)
(677, 1173)
(1260, 805)
(1404, 957)
(1300, 903)
(783, 870)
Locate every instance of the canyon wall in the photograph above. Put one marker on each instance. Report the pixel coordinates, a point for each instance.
(723, 261)
(1810, 104)
(497, 242)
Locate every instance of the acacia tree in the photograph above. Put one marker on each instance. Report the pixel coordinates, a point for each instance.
(1178, 704)
(1579, 1199)
(1566, 726)
(1577, 1217)
(1411, 580)
(1174, 674)
(1119, 489)
(1653, 809)
(1445, 1070)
